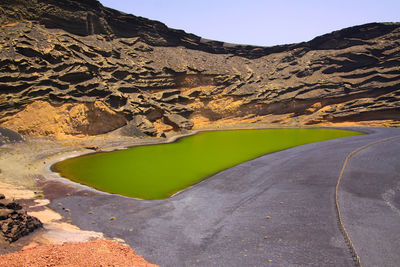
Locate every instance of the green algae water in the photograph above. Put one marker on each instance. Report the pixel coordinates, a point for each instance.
(159, 171)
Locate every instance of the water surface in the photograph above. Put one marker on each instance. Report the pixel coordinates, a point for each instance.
(159, 171)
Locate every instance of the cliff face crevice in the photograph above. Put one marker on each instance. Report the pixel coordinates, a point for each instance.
(164, 79)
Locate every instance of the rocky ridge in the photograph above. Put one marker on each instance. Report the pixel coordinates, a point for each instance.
(155, 79)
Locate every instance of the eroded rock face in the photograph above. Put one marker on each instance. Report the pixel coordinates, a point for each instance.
(42, 118)
(162, 79)
(14, 221)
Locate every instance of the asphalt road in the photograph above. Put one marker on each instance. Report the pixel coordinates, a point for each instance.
(276, 210)
(370, 203)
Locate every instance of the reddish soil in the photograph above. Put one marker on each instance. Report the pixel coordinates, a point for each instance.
(93, 253)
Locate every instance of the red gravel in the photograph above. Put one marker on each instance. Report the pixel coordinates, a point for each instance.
(93, 253)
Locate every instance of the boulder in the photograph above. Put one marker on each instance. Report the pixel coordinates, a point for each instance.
(5, 213)
(14, 221)
(178, 122)
(141, 123)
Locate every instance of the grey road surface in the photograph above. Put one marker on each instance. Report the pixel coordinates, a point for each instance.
(276, 210)
(370, 203)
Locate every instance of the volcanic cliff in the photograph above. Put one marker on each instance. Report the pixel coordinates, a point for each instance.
(76, 67)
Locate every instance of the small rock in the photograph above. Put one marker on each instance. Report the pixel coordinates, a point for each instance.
(21, 212)
(14, 206)
(30, 245)
(162, 135)
(9, 204)
(4, 202)
(5, 213)
(92, 147)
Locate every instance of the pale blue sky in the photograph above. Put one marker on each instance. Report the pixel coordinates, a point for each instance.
(261, 22)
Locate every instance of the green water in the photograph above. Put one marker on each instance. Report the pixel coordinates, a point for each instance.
(159, 171)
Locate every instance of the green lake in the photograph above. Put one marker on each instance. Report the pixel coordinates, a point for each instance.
(159, 171)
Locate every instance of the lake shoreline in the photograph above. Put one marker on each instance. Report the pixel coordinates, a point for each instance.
(27, 170)
(156, 172)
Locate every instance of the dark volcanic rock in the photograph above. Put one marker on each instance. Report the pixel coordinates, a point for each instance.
(8, 136)
(79, 51)
(141, 123)
(87, 17)
(14, 221)
(5, 213)
(178, 121)
(131, 129)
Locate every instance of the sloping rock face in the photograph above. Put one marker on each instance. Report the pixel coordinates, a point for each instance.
(7, 136)
(160, 79)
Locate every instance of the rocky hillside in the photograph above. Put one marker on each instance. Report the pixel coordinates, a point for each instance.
(87, 69)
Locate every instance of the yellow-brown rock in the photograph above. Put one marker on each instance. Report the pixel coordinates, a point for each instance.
(42, 118)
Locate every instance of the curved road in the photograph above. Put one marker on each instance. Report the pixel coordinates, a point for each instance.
(276, 210)
(370, 202)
